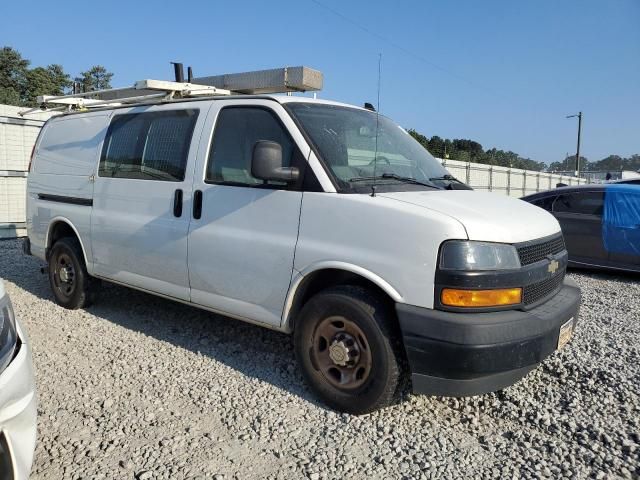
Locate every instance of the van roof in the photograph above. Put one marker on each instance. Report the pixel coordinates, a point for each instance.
(282, 99)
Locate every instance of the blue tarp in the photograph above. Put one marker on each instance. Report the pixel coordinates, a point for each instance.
(621, 220)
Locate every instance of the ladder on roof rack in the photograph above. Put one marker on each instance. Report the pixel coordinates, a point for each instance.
(142, 91)
(277, 80)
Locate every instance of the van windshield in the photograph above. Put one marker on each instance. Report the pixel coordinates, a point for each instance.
(346, 140)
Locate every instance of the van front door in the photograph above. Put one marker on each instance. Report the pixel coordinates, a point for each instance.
(142, 195)
(244, 231)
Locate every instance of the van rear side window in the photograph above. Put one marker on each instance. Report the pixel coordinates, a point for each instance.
(148, 146)
(68, 145)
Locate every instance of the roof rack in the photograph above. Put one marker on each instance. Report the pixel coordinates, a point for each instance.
(279, 80)
(142, 91)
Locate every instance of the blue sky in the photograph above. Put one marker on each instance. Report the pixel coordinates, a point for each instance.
(504, 73)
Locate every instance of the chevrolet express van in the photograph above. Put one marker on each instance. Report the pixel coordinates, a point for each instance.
(311, 217)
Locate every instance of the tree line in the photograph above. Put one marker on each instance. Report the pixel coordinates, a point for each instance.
(611, 163)
(20, 84)
(472, 151)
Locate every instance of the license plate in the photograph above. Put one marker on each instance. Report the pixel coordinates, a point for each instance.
(566, 330)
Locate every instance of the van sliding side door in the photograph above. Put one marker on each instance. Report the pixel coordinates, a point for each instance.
(142, 197)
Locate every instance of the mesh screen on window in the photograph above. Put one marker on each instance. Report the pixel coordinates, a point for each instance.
(237, 131)
(148, 146)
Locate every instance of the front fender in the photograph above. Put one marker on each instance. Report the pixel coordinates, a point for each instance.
(299, 277)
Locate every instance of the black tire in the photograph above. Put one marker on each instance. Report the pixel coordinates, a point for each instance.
(378, 377)
(71, 285)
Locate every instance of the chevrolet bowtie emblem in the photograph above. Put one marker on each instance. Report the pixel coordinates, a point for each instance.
(553, 266)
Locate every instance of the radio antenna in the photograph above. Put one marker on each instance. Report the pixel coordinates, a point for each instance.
(375, 155)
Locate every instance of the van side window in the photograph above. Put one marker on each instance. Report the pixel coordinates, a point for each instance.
(148, 146)
(237, 131)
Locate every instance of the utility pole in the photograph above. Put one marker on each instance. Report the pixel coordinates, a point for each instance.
(579, 115)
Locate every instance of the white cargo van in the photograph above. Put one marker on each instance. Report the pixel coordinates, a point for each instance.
(311, 217)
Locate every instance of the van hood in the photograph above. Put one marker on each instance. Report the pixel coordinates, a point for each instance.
(489, 217)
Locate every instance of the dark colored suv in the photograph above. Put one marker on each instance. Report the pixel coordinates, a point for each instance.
(600, 223)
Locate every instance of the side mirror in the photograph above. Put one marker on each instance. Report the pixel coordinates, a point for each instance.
(266, 163)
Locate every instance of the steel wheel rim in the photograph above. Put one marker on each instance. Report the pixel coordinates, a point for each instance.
(340, 351)
(64, 275)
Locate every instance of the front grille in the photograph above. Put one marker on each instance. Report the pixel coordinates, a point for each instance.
(534, 252)
(537, 291)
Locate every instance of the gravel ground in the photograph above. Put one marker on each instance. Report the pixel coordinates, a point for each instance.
(139, 387)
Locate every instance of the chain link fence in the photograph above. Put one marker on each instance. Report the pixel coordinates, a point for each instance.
(17, 137)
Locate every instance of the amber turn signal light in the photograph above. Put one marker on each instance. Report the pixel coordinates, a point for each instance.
(481, 298)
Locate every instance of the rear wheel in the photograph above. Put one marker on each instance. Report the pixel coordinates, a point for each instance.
(348, 347)
(71, 284)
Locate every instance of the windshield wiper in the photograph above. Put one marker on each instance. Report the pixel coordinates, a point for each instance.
(393, 176)
(451, 178)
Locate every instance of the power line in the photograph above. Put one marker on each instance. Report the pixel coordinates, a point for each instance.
(400, 47)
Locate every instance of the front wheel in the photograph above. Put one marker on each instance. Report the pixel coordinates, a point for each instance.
(348, 347)
(71, 284)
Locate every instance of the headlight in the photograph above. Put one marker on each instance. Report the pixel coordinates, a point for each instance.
(8, 334)
(468, 255)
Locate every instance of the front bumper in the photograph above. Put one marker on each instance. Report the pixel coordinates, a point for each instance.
(462, 354)
(18, 414)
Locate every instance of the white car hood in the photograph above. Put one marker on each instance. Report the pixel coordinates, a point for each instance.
(490, 217)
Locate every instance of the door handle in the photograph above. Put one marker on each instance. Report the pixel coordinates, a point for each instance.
(197, 204)
(177, 203)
